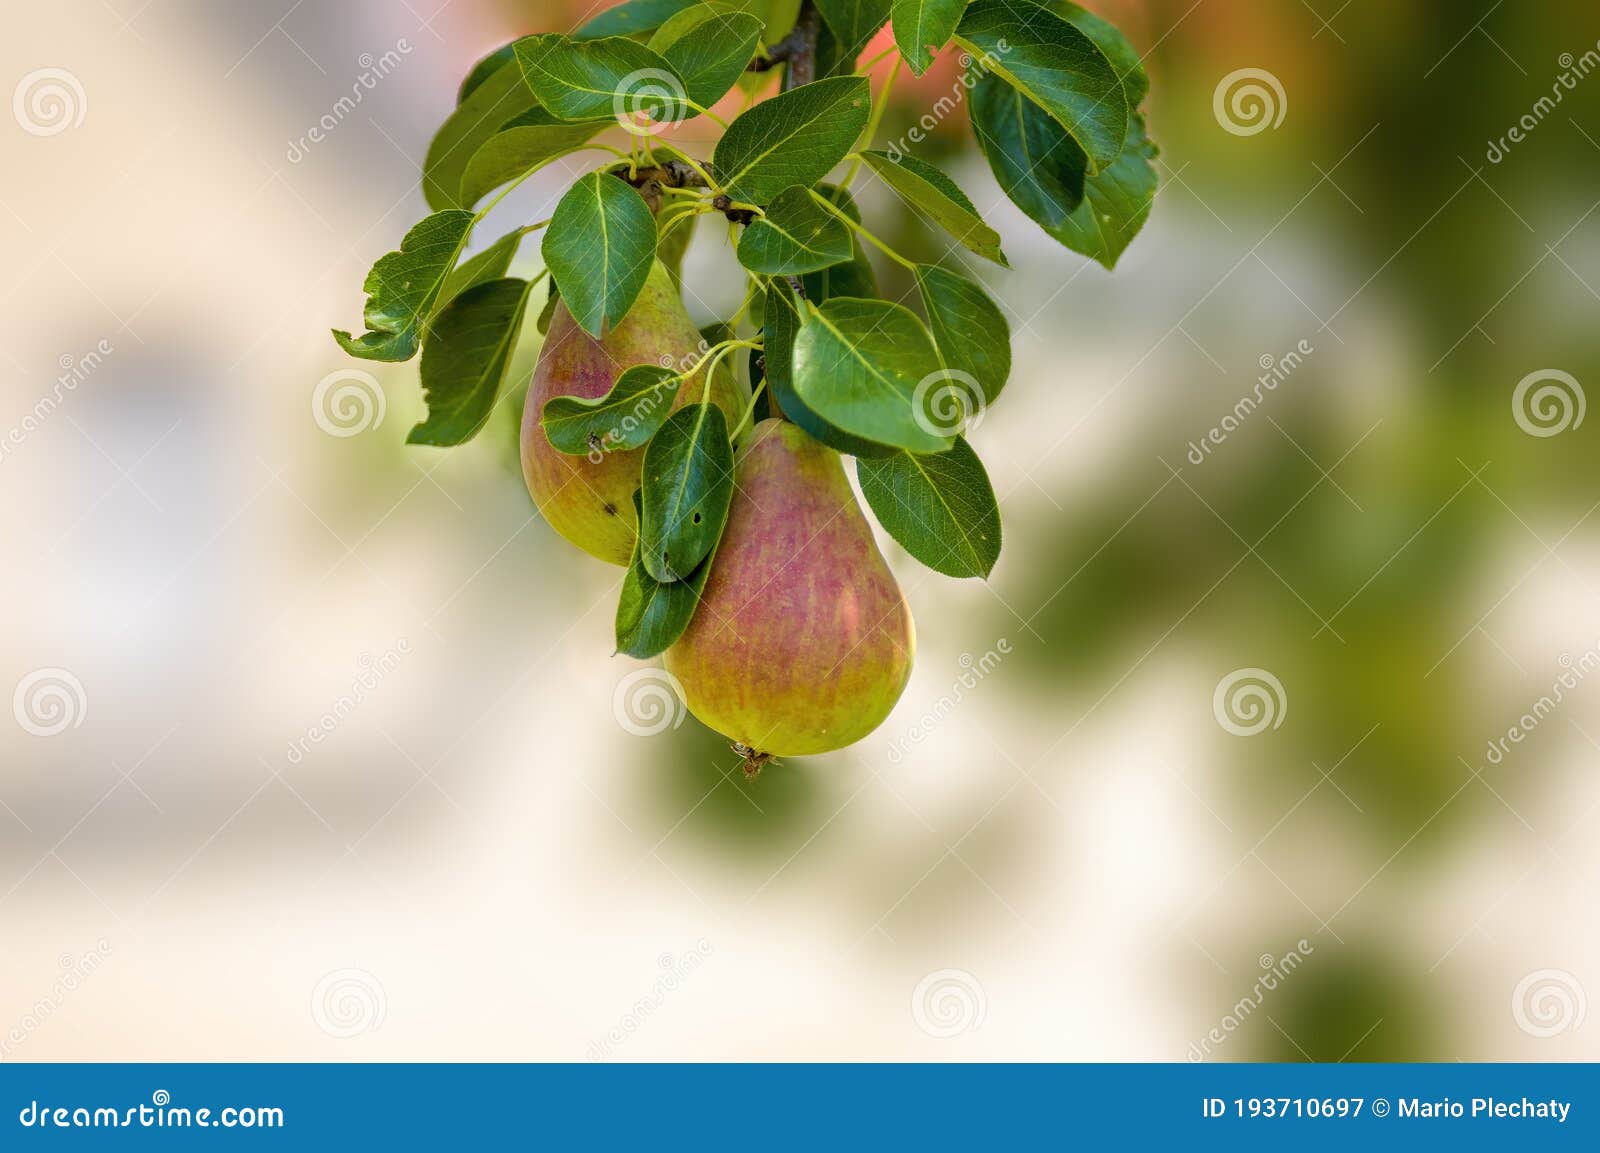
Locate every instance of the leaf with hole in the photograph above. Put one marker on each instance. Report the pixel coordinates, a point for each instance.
(688, 486)
(859, 364)
(466, 359)
(403, 286)
(652, 614)
(922, 27)
(1056, 65)
(795, 235)
(625, 417)
(599, 246)
(924, 187)
(794, 138)
(969, 330)
(940, 508)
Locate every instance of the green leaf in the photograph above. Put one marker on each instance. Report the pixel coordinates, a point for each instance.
(552, 297)
(924, 186)
(589, 79)
(794, 138)
(853, 277)
(490, 264)
(485, 68)
(497, 98)
(1056, 65)
(1044, 172)
(403, 286)
(1124, 56)
(864, 366)
(599, 246)
(523, 144)
(651, 614)
(780, 16)
(466, 359)
(625, 417)
(718, 332)
(922, 27)
(969, 330)
(688, 486)
(795, 235)
(854, 23)
(674, 246)
(941, 508)
(780, 325)
(632, 18)
(1116, 202)
(708, 47)
(1034, 161)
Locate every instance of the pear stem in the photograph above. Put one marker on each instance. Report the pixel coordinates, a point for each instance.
(861, 231)
(878, 109)
(750, 411)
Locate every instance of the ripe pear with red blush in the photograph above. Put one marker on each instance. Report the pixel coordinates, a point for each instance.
(802, 642)
(589, 499)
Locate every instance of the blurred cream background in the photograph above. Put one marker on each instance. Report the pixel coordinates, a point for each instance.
(1078, 862)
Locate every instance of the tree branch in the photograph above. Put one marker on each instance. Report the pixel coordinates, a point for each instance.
(798, 50)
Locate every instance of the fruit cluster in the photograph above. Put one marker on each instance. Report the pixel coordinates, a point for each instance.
(708, 463)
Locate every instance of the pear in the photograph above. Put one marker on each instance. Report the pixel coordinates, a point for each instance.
(589, 500)
(802, 642)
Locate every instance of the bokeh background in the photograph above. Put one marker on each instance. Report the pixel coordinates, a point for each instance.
(1076, 856)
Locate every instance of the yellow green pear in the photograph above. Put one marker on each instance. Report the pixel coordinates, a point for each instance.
(589, 499)
(802, 642)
